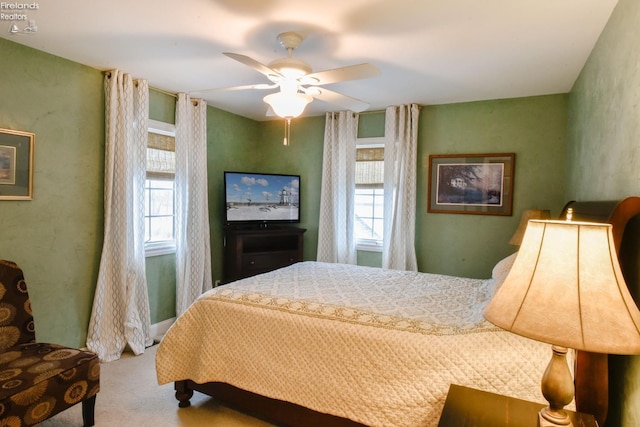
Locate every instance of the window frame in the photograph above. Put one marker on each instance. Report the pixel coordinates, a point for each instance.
(163, 247)
(370, 245)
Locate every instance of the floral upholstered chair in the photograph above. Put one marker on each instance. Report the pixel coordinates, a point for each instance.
(38, 380)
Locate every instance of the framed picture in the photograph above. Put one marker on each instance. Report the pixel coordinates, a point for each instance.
(16, 165)
(479, 184)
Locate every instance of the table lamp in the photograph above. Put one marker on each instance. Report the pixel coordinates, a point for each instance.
(566, 288)
(527, 215)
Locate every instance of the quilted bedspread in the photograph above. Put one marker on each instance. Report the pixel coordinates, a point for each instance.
(380, 347)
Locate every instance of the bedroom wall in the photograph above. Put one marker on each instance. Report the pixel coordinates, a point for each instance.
(535, 128)
(303, 156)
(604, 158)
(56, 237)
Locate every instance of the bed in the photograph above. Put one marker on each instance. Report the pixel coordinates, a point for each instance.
(338, 345)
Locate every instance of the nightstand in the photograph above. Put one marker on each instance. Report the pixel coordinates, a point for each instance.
(468, 407)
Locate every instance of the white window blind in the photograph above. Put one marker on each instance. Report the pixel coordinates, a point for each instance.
(161, 156)
(369, 196)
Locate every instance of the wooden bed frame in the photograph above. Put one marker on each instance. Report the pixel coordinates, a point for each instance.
(591, 370)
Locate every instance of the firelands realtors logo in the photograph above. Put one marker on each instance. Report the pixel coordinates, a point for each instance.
(18, 15)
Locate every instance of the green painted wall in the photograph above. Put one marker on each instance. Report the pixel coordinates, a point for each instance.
(604, 112)
(604, 157)
(56, 237)
(302, 156)
(162, 107)
(232, 143)
(371, 125)
(161, 282)
(535, 129)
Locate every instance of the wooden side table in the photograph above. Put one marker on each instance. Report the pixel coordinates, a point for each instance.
(468, 407)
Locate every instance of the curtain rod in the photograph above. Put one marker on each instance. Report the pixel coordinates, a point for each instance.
(194, 101)
(381, 111)
(156, 89)
(165, 92)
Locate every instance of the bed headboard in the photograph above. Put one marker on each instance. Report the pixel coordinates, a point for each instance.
(592, 369)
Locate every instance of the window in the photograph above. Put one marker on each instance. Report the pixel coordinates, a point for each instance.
(159, 191)
(369, 195)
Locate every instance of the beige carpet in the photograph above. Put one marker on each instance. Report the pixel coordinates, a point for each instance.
(130, 396)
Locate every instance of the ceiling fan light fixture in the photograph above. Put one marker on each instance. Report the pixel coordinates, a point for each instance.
(288, 105)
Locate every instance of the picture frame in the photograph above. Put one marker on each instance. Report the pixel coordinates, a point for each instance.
(480, 184)
(16, 164)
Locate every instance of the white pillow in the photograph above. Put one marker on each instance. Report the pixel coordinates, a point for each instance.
(500, 271)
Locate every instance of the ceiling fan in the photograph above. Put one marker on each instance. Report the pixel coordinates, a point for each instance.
(298, 85)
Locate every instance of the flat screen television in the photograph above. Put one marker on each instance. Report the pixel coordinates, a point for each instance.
(261, 199)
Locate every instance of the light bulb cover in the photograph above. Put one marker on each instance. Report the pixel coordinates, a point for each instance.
(288, 105)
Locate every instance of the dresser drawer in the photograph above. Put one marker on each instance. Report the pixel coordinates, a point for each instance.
(267, 261)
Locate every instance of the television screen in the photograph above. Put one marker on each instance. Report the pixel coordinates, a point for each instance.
(261, 197)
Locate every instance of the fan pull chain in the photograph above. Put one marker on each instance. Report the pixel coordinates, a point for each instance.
(287, 131)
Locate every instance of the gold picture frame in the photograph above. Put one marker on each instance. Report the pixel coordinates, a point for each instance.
(16, 164)
(480, 184)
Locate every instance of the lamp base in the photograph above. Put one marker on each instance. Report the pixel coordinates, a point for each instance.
(547, 418)
(557, 388)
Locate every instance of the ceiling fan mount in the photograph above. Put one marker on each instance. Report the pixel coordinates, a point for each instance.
(290, 39)
(289, 66)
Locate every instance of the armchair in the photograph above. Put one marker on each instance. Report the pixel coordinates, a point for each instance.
(38, 380)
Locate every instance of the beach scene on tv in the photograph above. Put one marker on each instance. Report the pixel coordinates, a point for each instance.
(258, 197)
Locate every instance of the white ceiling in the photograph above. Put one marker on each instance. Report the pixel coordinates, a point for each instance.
(428, 51)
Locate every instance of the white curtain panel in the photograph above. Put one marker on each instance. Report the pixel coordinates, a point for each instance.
(120, 314)
(193, 252)
(336, 240)
(400, 158)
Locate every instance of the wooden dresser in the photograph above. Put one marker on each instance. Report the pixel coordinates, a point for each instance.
(248, 252)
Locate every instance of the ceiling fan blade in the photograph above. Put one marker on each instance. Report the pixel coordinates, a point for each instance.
(336, 98)
(233, 88)
(250, 62)
(351, 72)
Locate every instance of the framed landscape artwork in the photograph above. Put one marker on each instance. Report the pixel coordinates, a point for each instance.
(479, 184)
(16, 165)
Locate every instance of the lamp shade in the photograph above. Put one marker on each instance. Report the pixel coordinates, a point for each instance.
(288, 105)
(566, 288)
(527, 215)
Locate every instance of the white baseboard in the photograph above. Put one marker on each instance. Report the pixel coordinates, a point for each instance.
(159, 329)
